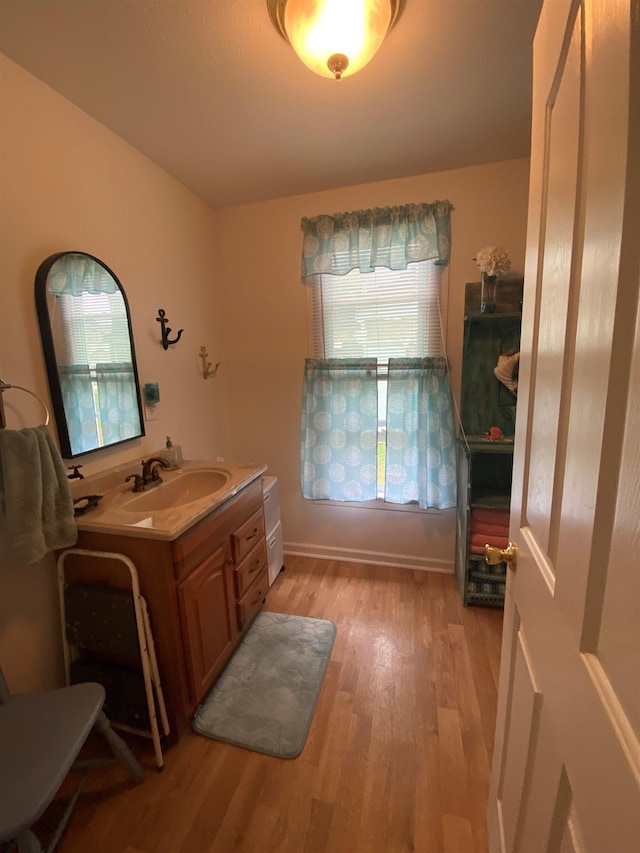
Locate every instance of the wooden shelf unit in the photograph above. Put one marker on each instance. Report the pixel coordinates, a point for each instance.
(484, 466)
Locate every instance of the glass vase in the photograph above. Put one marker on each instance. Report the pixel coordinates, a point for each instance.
(488, 289)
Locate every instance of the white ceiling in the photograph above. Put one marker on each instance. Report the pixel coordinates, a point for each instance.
(214, 95)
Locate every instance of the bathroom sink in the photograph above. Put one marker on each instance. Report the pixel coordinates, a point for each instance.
(164, 512)
(182, 489)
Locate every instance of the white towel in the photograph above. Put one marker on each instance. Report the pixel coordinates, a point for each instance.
(36, 507)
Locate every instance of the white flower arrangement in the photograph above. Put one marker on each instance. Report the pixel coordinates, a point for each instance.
(493, 260)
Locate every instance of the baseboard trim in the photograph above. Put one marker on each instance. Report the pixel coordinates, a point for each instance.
(376, 558)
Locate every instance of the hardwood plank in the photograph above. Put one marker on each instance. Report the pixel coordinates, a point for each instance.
(458, 835)
(398, 752)
(454, 768)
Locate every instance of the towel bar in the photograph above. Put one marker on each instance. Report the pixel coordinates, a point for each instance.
(4, 386)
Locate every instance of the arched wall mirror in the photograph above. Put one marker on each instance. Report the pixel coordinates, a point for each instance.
(89, 354)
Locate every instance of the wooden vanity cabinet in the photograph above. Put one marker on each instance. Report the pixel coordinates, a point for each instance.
(203, 591)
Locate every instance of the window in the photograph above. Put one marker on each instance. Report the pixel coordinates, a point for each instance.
(98, 360)
(382, 314)
(377, 417)
(98, 329)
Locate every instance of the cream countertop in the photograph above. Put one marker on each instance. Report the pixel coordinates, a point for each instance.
(112, 516)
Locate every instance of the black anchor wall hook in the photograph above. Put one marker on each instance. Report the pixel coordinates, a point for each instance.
(166, 330)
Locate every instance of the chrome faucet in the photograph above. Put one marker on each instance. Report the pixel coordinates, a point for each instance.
(150, 476)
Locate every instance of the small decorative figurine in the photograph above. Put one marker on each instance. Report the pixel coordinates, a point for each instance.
(495, 434)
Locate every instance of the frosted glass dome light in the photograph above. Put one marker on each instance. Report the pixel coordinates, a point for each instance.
(335, 38)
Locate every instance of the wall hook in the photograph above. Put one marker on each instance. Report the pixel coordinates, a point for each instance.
(166, 330)
(206, 365)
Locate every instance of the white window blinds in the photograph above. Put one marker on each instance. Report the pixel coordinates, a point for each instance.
(380, 314)
(99, 331)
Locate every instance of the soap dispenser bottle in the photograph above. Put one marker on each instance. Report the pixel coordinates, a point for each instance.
(172, 454)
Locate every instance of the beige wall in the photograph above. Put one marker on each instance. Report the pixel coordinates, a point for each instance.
(267, 339)
(67, 183)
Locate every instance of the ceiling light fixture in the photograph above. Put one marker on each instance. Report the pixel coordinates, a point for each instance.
(335, 38)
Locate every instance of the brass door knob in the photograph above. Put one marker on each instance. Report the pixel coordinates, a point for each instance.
(508, 555)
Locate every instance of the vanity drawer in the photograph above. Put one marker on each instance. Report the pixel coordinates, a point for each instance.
(249, 569)
(251, 602)
(247, 536)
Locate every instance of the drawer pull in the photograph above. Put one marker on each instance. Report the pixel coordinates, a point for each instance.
(258, 598)
(252, 535)
(255, 568)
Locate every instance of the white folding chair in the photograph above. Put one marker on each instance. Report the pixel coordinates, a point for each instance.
(146, 647)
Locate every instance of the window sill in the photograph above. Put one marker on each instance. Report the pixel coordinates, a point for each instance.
(380, 504)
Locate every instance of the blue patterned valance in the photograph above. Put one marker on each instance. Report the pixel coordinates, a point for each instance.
(390, 237)
(77, 273)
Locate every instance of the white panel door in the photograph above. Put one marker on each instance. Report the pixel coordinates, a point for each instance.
(566, 770)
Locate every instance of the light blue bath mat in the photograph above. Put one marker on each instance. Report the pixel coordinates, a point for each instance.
(265, 698)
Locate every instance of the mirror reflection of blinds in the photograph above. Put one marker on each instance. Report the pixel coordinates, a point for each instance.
(381, 314)
(97, 326)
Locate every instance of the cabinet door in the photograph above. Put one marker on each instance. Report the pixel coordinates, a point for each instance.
(207, 620)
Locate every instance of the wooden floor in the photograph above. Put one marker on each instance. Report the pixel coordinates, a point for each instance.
(398, 754)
